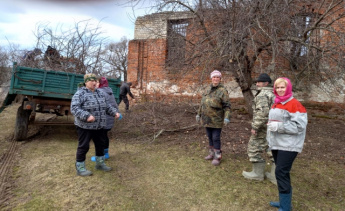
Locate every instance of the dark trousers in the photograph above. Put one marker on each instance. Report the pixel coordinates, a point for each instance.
(213, 135)
(283, 161)
(125, 100)
(84, 138)
(106, 138)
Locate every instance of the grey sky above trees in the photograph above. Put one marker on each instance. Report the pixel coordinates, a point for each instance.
(19, 18)
(29, 24)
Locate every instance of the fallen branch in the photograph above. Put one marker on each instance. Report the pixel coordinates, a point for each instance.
(175, 130)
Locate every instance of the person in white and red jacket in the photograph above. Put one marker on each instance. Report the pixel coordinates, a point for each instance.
(286, 130)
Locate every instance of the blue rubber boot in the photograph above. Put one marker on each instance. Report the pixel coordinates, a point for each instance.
(285, 201)
(275, 204)
(106, 153)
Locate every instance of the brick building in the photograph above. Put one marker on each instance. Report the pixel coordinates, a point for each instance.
(148, 57)
(151, 61)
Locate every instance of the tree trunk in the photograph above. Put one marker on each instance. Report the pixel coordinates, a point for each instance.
(245, 81)
(248, 97)
(125, 76)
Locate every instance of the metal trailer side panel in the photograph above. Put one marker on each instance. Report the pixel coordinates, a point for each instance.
(44, 83)
(51, 84)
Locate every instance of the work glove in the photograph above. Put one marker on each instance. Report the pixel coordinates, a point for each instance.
(197, 118)
(273, 126)
(226, 121)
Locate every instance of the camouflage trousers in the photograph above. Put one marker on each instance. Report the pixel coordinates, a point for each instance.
(258, 148)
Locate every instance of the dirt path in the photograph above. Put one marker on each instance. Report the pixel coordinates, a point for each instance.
(6, 165)
(10, 150)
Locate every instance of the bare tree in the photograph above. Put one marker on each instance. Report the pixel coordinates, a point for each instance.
(303, 40)
(115, 57)
(8, 55)
(76, 49)
(80, 49)
(5, 70)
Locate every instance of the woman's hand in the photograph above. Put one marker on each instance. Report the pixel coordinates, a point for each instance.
(273, 126)
(91, 119)
(118, 116)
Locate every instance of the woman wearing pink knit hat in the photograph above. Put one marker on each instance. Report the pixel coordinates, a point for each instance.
(214, 113)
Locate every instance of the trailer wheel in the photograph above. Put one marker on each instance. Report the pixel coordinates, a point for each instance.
(22, 121)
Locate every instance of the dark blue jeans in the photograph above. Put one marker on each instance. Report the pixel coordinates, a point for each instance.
(283, 161)
(213, 135)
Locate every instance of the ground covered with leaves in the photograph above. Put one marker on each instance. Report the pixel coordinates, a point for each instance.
(175, 124)
(157, 155)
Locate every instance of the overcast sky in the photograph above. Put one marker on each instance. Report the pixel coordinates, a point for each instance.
(19, 18)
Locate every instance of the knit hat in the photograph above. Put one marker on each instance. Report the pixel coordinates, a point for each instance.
(263, 77)
(103, 82)
(90, 77)
(216, 73)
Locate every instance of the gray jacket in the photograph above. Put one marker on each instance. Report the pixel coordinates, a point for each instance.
(292, 121)
(110, 99)
(85, 103)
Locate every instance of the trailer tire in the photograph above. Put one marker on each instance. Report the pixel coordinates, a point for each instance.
(22, 122)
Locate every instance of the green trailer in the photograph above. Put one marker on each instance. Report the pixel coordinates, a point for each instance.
(44, 91)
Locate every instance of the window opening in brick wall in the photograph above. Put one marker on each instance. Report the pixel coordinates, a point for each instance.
(176, 40)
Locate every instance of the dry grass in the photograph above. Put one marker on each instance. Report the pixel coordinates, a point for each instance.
(168, 173)
(7, 122)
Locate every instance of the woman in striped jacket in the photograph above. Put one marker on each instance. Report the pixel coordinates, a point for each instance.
(286, 130)
(90, 108)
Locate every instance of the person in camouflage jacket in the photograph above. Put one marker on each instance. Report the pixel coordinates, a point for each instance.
(257, 145)
(214, 112)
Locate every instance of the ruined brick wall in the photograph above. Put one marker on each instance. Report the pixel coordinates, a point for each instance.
(155, 26)
(147, 65)
(147, 61)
